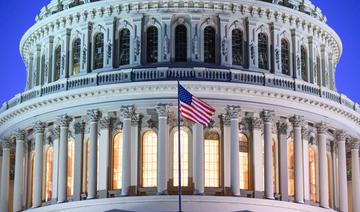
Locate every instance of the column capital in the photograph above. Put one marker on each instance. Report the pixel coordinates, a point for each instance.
(135, 119)
(6, 144)
(20, 135)
(94, 115)
(341, 136)
(321, 127)
(64, 120)
(127, 111)
(297, 120)
(267, 115)
(305, 132)
(79, 126)
(162, 110)
(56, 131)
(226, 119)
(39, 127)
(233, 111)
(355, 144)
(256, 123)
(282, 127)
(105, 122)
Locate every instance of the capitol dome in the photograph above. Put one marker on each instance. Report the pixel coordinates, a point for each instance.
(96, 127)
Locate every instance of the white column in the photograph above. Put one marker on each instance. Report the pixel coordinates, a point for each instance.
(282, 131)
(55, 177)
(198, 141)
(127, 112)
(162, 110)
(64, 122)
(38, 174)
(323, 182)
(233, 112)
(297, 122)
(355, 144)
(104, 143)
(5, 176)
(256, 154)
(341, 140)
(227, 153)
(134, 150)
(19, 176)
(93, 116)
(79, 127)
(267, 117)
(305, 143)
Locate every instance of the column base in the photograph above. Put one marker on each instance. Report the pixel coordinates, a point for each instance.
(103, 194)
(258, 194)
(165, 192)
(199, 193)
(270, 198)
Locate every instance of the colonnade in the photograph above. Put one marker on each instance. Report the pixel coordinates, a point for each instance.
(262, 130)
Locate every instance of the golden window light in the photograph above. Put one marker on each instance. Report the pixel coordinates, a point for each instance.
(48, 174)
(244, 161)
(117, 161)
(212, 160)
(291, 170)
(149, 159)
(312, 173)
(184, 139)
(70, 168)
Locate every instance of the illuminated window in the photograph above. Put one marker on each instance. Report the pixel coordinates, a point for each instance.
(184, 139)
(99, 51)
(180, 43)
(244, 162)
(273, 146)
(263, 53)
(124, 43)
(212, 159)
(209, 45)
(48, 174)
(152, 45)
(285, 57)
(328, 163)
(70, 168)
(86, 164)
(57, 64)
(117, 161)
(291, 170)
(76, 51)
(303, 64)
(149, 159)
(318, 70)
(237, 47)
(32, 170)
(312, 173)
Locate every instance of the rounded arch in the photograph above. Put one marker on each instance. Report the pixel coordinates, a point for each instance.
(209, 50)
(152, 44)
(181, 50)
(124, 46)
(212, 161)
(244, 161)
(237, 46)
(116, 160)
(149, 155)
(98, 50)
(75, 56)
(181, 21)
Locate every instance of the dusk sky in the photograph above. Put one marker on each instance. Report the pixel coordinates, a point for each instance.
(17, 16)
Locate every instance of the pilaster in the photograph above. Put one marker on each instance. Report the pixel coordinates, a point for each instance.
(79, 128)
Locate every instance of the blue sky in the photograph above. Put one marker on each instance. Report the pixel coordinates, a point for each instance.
(17, 16)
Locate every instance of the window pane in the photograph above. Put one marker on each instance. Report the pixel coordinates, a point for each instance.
(212, 160)
(181, 44)
(117, 161)
(244, 162)
(285, 57)
(149, 159)
(57, 65)
(124, 47)
(312, 166)
(303, 64)
(209, 45)
(237, 47)
(76, 49)
(291, 170)
(152, 45)
(99, 51)
(263, 51)
(70, 168)
(43, 80)
(184, 139)
(48, 175)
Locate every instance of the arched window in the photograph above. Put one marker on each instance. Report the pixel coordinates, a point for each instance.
(318, 70)
(209, 45)
(184, 142)
(57, 63)
(212, 159)
(152, 45)
(124, 47)
(312, 173)
(99, 51)
(285, 57)
(48, 174)
(43, 80)
(263, 53)
(304, 70)
(244, 161)
(237, 47)
(180, 43)
(70, 168)
(291, 167)
(117, 149)
(76, 51)
(149, 159)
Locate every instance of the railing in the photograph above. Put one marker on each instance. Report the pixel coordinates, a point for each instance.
(185, 74)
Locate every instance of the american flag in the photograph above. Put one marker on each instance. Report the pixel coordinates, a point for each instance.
(193, 108)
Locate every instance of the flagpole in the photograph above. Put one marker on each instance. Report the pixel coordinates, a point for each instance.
(179, 150)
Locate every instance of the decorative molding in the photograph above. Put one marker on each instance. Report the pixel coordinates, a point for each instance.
(282, 127)
(94, 115)
(127, 111)
(341, 136)
(105, 122)
(162, 110)
(79, 127)
(297, 121)
(39, 127)
(355, 144)
(233, 111)
(256, 123)
(321, 127)
(64, 120)
(267, 116)
(20, 135)
(6, 144)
